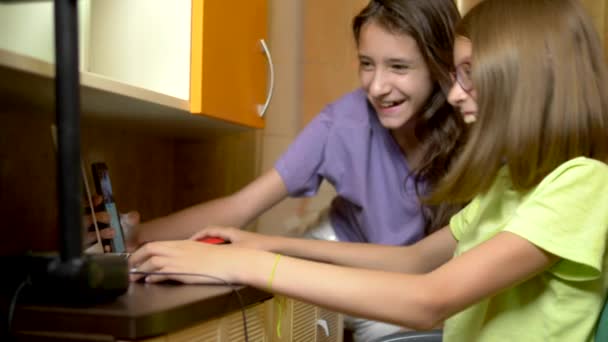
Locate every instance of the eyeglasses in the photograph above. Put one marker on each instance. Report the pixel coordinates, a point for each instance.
(462, 75)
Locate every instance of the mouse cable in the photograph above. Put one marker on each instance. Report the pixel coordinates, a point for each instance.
(238, 295)
(13, 304)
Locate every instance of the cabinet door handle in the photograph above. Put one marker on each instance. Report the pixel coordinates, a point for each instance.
(262, 108)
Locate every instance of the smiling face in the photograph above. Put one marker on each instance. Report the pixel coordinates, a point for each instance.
(462, 95)
(394, 75)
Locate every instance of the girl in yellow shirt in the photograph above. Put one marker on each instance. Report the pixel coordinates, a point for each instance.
(526, 259)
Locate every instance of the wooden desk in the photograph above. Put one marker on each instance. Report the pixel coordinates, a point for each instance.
(167, 312)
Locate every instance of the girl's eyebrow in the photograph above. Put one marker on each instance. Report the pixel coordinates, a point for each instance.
(406, 61)
(465, 60)
(391, 60)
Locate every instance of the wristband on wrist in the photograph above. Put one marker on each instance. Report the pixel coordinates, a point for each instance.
(272, 272)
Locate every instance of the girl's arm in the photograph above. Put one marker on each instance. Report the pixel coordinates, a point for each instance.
(235, 210)
(415, 301)
(421, 257)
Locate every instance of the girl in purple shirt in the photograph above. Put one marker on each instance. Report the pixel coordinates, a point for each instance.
(381, 146)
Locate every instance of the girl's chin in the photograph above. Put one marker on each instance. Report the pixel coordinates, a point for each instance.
(393, 122)
(469, 118)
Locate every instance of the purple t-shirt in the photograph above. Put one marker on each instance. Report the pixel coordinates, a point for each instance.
(346, 145)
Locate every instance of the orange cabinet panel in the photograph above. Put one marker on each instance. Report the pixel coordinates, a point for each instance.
(228, 74)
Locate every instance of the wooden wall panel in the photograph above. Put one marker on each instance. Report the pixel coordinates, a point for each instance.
(598, 9)
(27, 182)
(209, 169)
(140, 168)
(329, 58)
(152, 174)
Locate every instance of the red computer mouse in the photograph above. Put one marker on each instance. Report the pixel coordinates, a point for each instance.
(212, 240)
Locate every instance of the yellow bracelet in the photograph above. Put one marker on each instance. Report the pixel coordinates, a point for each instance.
(274, 268)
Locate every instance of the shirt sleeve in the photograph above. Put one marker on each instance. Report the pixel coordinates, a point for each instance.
(301, 166)
(462, 219)
(567, 215)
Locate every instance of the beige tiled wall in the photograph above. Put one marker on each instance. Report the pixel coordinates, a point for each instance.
(282, 116)
(465, 5)
(315, 64)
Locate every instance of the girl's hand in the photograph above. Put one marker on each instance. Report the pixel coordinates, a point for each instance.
(236, 237)
(213, 264)
(90, 236)
(127, 221)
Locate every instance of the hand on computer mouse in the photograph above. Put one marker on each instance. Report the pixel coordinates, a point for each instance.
(213, 240)
(235, 236)
(186, 261)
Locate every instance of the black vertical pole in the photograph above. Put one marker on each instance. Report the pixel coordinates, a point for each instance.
(67, 107)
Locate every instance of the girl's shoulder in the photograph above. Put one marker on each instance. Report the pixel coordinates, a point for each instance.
(351, 108)
(580, 168)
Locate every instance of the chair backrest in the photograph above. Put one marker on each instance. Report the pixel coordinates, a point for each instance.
(601, 333)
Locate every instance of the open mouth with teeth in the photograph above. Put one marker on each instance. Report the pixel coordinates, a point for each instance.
(389, 104)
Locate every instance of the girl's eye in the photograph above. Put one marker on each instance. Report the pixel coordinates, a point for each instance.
(400, 67)
(365, 65)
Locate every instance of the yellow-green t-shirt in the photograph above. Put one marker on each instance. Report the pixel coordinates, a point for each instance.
(566, 215)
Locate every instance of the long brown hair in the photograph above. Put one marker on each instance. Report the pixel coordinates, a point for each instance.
(440, 129)
(542, 94)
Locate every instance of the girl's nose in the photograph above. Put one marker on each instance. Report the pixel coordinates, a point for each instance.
(379, 85)
(457, 95)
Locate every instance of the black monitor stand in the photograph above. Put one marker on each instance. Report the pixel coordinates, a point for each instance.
(70, 278)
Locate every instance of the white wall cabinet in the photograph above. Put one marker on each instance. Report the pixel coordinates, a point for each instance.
(188, 56)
